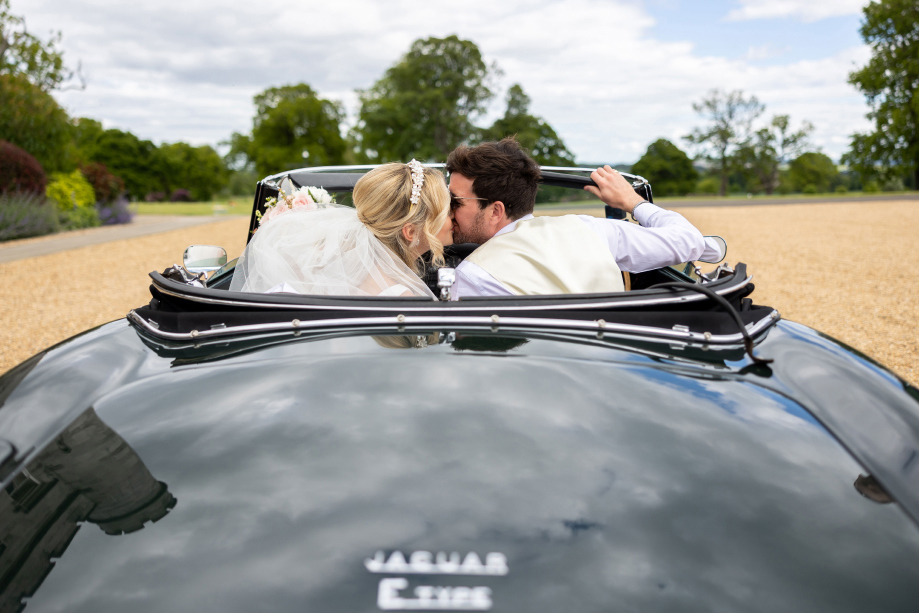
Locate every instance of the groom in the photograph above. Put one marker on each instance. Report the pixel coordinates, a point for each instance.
(493, 188)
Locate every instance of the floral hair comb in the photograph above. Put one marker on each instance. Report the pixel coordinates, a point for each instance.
(417, 180)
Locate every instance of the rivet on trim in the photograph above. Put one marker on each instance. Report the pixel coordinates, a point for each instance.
(601, 323)
(708, 336)
(400, 318)
(194, 333)
(295, 323)
(494, 323)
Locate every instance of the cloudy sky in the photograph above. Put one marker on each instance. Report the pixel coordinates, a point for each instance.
(609, 75)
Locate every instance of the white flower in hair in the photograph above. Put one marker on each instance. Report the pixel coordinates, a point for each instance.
(417, 180)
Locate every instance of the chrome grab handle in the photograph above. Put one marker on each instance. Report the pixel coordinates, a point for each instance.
(446, 277)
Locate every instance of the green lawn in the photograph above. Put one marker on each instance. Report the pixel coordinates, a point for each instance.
(742, 197)
(231, 206)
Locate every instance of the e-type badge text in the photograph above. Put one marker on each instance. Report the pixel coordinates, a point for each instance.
(432, 598)
(391, 595)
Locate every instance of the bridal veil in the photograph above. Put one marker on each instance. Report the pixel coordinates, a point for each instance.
(327, 252)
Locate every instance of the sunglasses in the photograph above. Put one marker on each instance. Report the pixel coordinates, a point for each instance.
(455, 201)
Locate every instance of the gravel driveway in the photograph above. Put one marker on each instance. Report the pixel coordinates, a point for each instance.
(845, 269)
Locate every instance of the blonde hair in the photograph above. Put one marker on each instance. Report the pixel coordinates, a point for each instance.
(382, 198)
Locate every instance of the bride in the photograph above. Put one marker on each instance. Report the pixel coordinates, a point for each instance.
(400, 212)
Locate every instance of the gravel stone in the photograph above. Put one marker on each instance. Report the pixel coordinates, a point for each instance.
(50, 298)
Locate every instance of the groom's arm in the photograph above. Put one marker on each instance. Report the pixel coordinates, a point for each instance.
(664, 238)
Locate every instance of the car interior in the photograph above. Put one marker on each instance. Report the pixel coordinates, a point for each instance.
(341, 183)
(674, 301)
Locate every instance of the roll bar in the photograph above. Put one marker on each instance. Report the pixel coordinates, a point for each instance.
(343, 178)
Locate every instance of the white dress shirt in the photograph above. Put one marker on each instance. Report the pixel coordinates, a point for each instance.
(663, 238)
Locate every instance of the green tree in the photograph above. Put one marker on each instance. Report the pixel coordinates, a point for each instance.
(293, 127)
(813, 172)
(240, 182)
(86, 133)
(890, 82)
(200, 170)
(668, 169)
(138, 162)
(772, 146)
(425, 105)
(730, 116)
(146, 168)
(31, 119)
(22, 53)
(532, 132)
(238, 155)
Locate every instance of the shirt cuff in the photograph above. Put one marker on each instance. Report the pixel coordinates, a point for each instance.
(644, 212)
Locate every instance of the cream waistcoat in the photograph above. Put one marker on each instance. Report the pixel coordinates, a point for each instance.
(550, 255)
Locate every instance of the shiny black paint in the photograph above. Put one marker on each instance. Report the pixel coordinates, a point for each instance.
(614, 475)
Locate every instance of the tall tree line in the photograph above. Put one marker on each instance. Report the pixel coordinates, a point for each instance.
(422, 107)
(890, 82)
(779, 156)
(31, 68)
(738, 153)
(435, 97)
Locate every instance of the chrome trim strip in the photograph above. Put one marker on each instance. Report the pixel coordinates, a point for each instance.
(434, 165)
(400, 322)
(579, 169)
(336, 168)
(694, 297)
(607, 340)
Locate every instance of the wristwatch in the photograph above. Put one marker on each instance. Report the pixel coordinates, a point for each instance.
(636, 207)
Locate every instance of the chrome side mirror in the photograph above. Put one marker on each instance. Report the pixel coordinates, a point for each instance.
(716, 248)
(446, 277)
(204, 258)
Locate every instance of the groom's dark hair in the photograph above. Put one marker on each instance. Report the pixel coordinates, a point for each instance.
(499, 171)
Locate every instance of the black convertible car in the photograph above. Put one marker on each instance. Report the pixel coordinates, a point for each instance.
(674, 447)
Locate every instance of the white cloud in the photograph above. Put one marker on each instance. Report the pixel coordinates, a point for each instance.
(805, 10)
(763, 52)
(188, 70)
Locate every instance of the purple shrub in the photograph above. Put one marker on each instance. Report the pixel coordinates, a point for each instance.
(106, 186)
(20, 171)
(180, 195)
(23, 215)
(115, 212)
